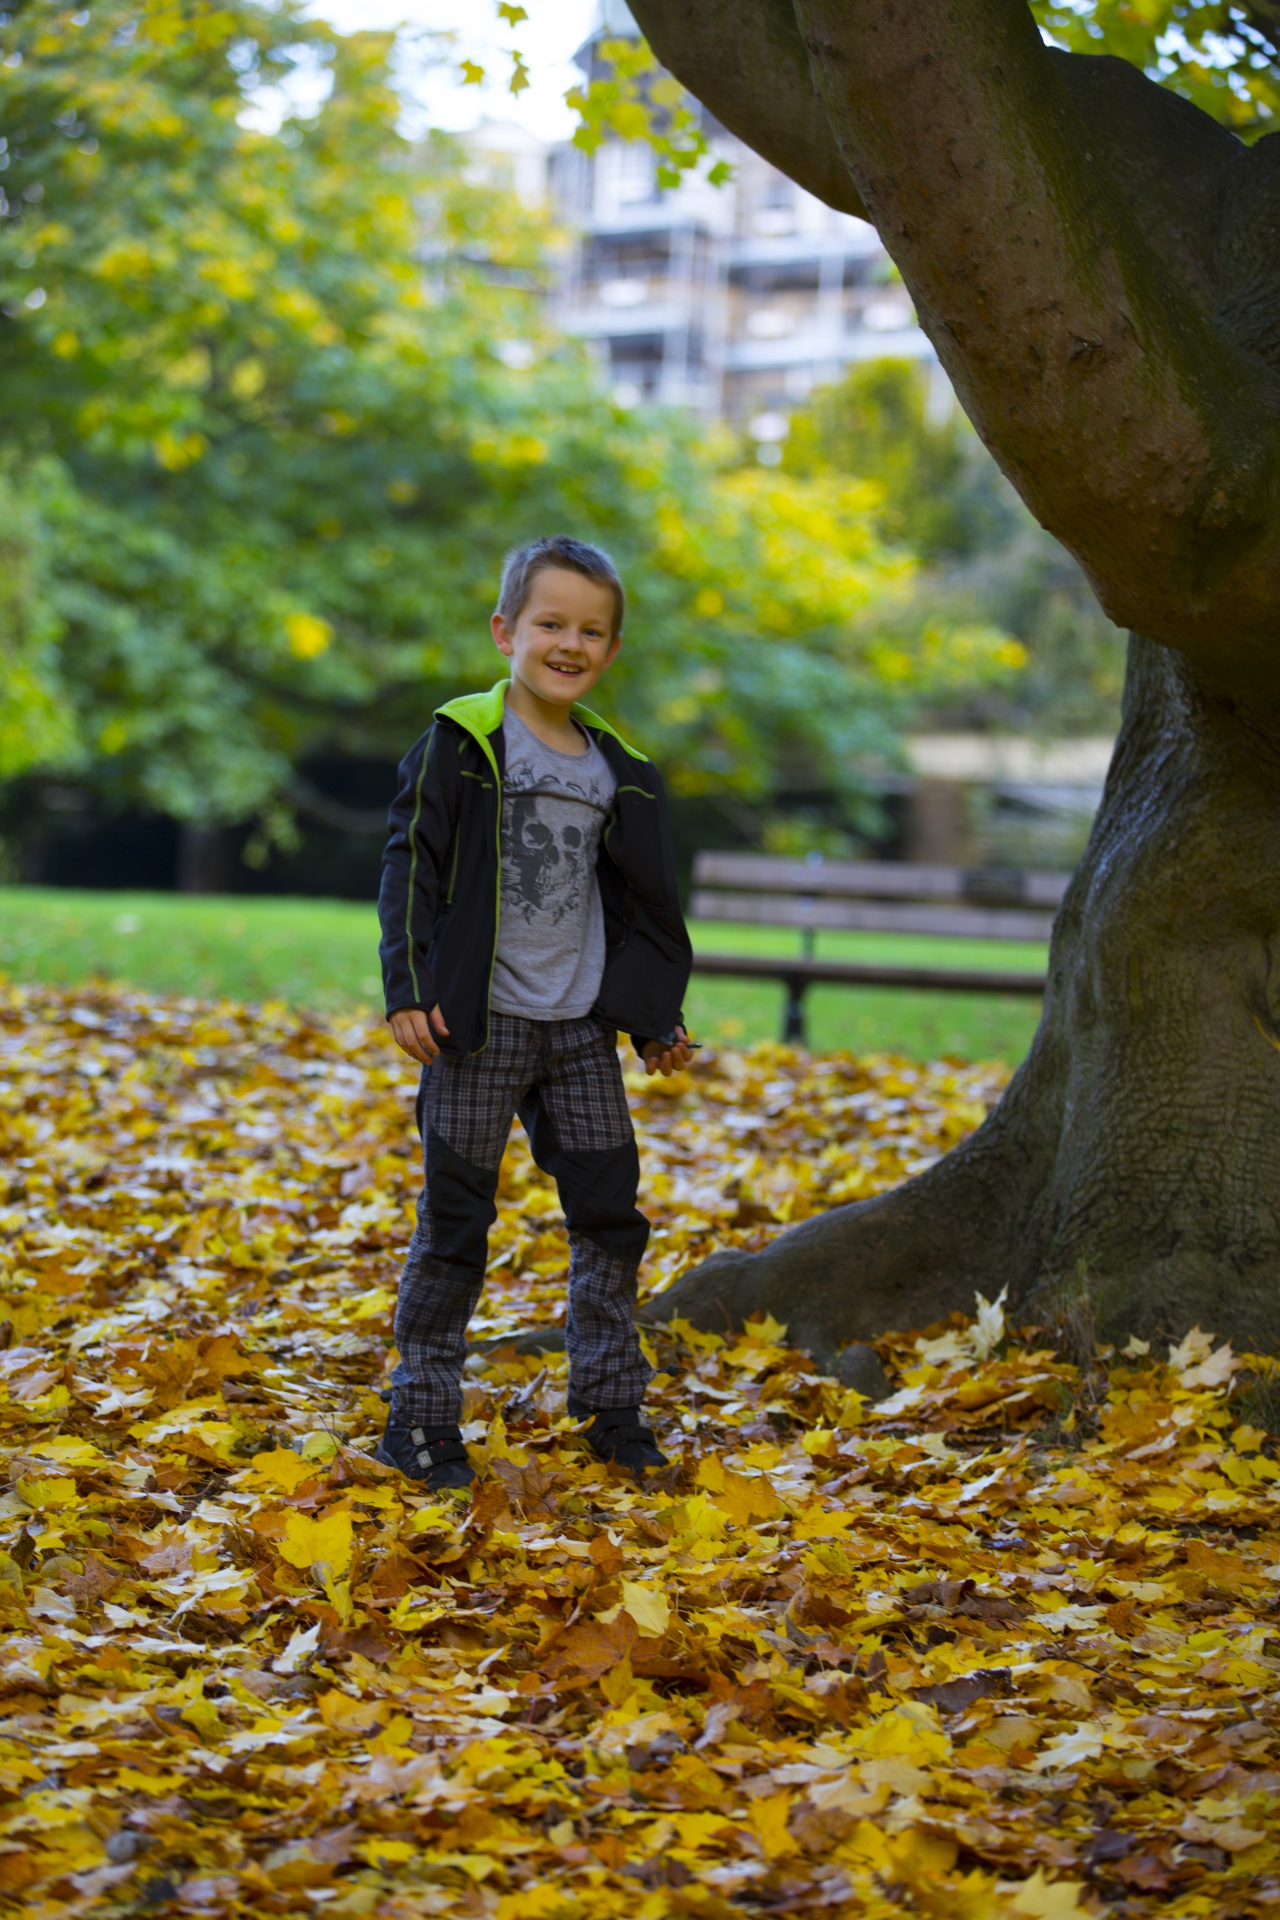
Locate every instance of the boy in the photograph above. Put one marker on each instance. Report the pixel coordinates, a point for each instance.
(529, 909)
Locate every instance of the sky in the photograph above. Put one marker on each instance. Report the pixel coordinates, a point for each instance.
(548, 40)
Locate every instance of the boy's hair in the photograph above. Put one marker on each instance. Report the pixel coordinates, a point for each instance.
(523, 564)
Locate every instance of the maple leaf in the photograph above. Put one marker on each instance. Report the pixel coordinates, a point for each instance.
(282, 1468)
(788, 1669)
(768, 1820)
(592, 1647)
(1041, 1899)
(326, 1542)
(648, 1607)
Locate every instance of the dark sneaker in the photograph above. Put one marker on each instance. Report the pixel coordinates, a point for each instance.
(434, 1455)
(617, 1434)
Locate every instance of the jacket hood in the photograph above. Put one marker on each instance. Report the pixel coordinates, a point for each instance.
(481, 714)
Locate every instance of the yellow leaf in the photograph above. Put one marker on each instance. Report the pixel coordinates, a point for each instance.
(326, 1542)
(710, 1473)
(203, 1715)
(768, 1820)
(539, 1902)
(1041, 1899)
(345, 1713)
(47, 1493)
(747, 1498)
(911, 1732)
(395, 1734)
(281, 1468)
(133, 1780)
(388, 1852)
(648, 1607)
(69, 1451)
(819, 1523)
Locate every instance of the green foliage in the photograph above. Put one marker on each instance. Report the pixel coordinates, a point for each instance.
(630, 97)
(938, 493)
(242, 430)
(34, 725)
(770, 591)
(995, 591)
(263, 452)
(1217, 53)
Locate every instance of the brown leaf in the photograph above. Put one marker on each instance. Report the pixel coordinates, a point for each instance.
(589, 1648)
(172, 1556)
(953, 1696)
(532, 1490)
(98, 1578)
(607, 1558)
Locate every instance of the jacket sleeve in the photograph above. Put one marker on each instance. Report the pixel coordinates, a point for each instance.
(667, 911)
(422, 822)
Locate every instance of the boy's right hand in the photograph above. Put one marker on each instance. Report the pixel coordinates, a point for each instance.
(413, 1033)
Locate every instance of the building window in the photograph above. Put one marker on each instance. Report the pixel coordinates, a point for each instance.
(776, 206)
(636, 180)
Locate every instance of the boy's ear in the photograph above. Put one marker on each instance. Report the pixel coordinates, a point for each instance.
(502, 634)
(612, 654)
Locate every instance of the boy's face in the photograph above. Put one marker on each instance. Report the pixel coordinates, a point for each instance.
(562, 639)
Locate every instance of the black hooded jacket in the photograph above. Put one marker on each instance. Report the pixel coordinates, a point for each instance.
(441, 877)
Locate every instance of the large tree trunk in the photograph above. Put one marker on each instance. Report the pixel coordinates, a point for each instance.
(1095, 262)
(1136, 1154)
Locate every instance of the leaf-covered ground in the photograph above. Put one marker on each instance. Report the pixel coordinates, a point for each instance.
(1004, 1645)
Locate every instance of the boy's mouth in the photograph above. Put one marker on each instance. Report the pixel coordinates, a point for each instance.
(562, 666)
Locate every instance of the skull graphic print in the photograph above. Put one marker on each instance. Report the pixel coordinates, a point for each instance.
(544, 854)
(550, 927)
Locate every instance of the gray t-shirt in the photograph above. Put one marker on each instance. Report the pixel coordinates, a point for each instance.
(550, 956)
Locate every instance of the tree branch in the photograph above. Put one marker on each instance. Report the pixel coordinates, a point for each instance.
(749, 65)
(1056, 220)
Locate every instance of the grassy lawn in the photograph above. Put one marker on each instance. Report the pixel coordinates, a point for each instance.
(323, 954)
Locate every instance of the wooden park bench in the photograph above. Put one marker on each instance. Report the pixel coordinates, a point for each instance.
(870, 896)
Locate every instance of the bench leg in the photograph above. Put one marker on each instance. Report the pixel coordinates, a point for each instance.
(793, 1014)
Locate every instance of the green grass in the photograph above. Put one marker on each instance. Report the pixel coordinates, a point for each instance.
(323, 954)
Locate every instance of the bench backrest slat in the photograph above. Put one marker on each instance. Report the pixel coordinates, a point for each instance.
(876, 880)
(790, 910)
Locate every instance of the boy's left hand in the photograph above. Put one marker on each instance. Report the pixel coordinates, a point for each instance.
(667, 1059)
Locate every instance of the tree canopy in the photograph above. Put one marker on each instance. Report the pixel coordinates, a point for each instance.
(986, 567)
(275, 402)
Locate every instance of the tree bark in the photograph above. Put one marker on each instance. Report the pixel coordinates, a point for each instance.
(1098, 266)
(1135, 1157)
(1089, 257)
(204, 859)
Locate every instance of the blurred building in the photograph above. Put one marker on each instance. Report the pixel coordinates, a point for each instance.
(735, 300)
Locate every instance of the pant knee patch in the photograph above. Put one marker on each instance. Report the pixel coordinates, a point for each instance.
(461, 1199)
(598, 1193)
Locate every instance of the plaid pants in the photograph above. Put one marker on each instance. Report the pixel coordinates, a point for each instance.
(563, 1079)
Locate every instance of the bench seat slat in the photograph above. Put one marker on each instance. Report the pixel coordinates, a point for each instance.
(758, 966)
(877, 879)
(786, 910)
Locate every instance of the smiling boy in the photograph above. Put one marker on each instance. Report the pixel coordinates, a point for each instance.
(529, 910)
